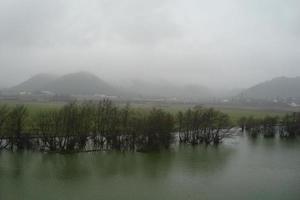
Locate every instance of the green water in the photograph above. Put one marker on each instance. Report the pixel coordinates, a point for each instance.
(240, 168)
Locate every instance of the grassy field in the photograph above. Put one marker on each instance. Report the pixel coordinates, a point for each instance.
(234, 112)
(34, 107)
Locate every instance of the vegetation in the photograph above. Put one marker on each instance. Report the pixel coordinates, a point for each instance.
(269, 126)
(287, 126)
(251, 125)
(255, 126)
(234, 112)
(102, 125)
(105, 126)
(201, 125)
(3, 121)
(290, 125)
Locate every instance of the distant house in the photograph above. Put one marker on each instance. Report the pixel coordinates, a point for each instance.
(24, 93)
(47, 93)
(293, 104)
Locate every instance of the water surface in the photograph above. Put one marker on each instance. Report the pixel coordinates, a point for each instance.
(241, 168)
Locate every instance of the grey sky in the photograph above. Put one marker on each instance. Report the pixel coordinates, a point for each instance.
(221, 43)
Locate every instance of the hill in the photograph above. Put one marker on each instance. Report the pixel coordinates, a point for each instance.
(35, 83)
(84, 83)
(281, 87)
(81, 83)
(165, 89)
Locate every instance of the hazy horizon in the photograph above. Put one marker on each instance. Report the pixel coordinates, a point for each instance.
(218, 44)
(154, 82)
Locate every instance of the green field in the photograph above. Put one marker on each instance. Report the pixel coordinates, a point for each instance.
(34, 107)
(234, 112)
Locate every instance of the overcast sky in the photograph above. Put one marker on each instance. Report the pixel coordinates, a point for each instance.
(219, 43)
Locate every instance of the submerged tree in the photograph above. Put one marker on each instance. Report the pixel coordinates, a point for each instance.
(199, 125)
(290, 125)
(104, 126)
(252, 125)
(269, 126)
(3, 120)
(157, 133)
(15, 127)
(242, 122)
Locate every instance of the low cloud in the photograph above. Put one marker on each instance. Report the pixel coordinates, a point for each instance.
(216, 43)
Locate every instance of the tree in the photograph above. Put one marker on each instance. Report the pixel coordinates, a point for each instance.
(242, 123)
(16, 125)
(158, 131)
(290, 125)
(3, 120)
(269, 126)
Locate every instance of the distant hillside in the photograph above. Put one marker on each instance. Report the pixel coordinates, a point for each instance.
(281, 87)
(164, 89)
(84, 83)
(81, 83)
(35, 83)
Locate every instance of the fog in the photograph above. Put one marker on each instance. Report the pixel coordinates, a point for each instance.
(216, 43)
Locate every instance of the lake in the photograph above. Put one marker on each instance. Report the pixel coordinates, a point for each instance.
(240, 168)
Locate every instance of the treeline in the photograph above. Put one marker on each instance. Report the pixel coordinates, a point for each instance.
(105, 126)
(287, 126)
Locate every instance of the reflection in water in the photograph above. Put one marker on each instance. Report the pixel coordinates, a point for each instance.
(65, 167)
(14, 164)
(17, 161)
(203, 159)
(110, 164)
(127, 164)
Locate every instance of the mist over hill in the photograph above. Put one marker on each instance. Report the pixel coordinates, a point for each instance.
(85, 83)
(80, 83)
(281, 87)
(165, 89)
(35, 83)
